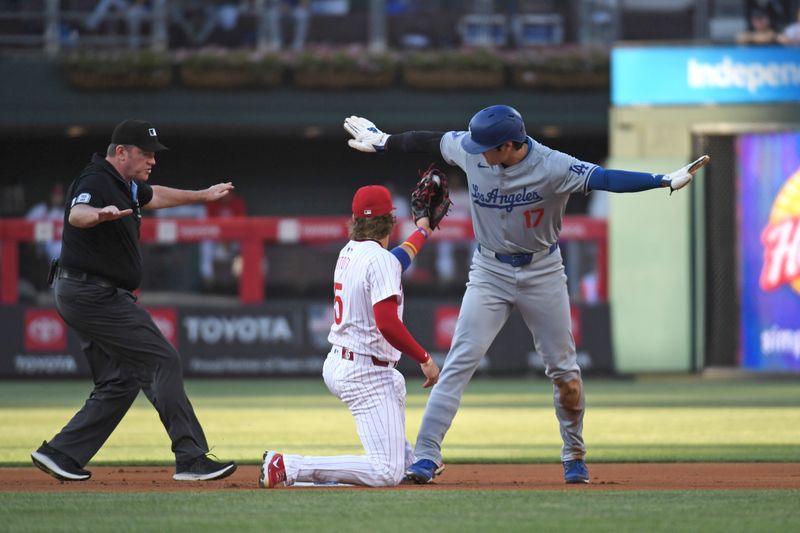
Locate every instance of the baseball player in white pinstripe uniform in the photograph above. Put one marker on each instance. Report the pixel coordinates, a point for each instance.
(367, 338)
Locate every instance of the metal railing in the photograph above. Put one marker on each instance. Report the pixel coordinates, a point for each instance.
(58, 28)
(254, 233)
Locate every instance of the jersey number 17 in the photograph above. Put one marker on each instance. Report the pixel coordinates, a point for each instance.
(533, 217)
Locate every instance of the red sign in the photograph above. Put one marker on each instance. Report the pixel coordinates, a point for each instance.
(444, 320)
(166, 318)
(44, 331)
(781, 254)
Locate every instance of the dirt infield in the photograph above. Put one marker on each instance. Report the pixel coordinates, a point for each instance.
(672, 476)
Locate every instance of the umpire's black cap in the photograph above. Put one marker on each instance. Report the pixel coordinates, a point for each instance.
(138, 133)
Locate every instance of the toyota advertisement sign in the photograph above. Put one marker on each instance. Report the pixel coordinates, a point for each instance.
(279, 339)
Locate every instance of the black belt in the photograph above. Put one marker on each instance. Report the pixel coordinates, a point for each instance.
(517, 260)
(77, 275)
(350, 356)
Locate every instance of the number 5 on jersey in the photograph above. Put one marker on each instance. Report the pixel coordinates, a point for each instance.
(338, 304)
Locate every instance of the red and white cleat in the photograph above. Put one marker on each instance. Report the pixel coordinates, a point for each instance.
(273, 471)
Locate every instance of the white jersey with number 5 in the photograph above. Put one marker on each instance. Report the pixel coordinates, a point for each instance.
(365, 274)
(375, 393)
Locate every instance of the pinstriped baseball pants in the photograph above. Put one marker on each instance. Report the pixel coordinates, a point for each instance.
(376, 396)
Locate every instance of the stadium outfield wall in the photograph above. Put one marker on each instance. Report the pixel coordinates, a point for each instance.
(659, 252)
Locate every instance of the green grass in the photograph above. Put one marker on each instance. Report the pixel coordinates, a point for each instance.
(669, 419)
(404, 511)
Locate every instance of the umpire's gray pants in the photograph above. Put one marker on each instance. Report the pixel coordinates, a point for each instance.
(539, 290)
(126, 352)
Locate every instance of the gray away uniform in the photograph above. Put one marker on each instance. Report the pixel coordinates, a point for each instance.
(515, 210)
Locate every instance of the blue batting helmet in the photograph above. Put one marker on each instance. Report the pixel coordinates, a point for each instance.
(492, 127)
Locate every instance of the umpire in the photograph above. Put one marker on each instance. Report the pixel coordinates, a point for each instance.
(99, 267)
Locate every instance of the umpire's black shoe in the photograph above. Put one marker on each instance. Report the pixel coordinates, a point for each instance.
(58, 465)
(203, 468)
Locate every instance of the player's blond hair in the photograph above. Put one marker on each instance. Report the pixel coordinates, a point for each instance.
(376, 228)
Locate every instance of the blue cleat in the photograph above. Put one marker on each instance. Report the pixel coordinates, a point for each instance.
(423, 471)
(575, 471)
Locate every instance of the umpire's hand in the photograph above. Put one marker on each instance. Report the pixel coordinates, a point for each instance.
(86, 216)
(215, 192)
(112, 212)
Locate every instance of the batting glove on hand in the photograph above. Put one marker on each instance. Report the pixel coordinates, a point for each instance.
(683, 177)
(366, 137)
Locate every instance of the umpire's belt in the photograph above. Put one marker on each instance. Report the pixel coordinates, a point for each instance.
(517, 260)
(351, 356)
(84, 277)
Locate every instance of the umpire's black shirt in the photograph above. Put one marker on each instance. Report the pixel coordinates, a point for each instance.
(109, 249)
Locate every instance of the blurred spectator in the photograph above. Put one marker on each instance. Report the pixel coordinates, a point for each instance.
(12, 199)
(762, 31)
(407, 9)
(135, 11)
(399, 7)
(53, 210)
(187, 15)
(777, 11)
(401, 202)
(173, 267)
(222, 14)
(222, 253)
(68, 35)
(330, 7)
(791, 34)
(300, 13)
(446, 262)
(589, 285)
(230, 205)
(100, 11)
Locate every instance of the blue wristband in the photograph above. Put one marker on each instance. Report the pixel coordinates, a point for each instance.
(402, 255)
(623, 180)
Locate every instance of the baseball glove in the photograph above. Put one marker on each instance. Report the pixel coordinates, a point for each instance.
(431, 197)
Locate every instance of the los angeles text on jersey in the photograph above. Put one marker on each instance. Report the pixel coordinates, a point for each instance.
(508, 202)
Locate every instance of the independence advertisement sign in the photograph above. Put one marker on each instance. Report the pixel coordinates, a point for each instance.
(695, 75)
(769, 260)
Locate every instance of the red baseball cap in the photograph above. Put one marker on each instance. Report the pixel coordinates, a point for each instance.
(372, 201)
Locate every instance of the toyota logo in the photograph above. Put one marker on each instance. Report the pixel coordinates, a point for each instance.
(45, 329)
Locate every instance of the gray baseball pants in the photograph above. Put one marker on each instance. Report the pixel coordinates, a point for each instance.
(539, 291)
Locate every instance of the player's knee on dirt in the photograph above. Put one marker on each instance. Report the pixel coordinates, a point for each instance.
(389, 479)
(388, 475)
(570, 392)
